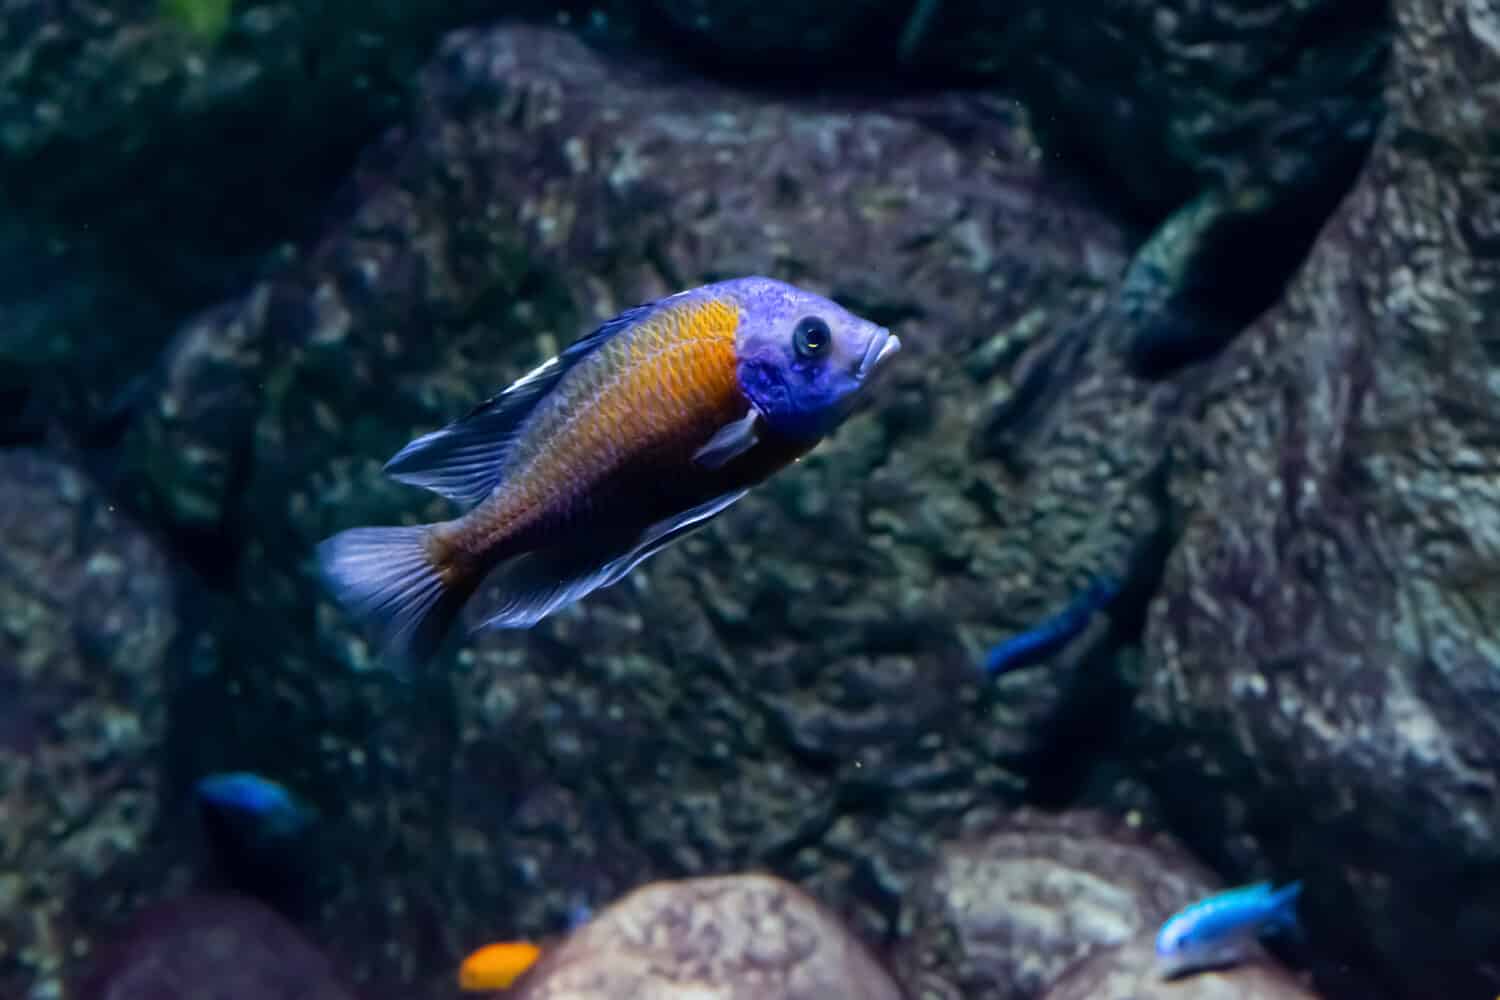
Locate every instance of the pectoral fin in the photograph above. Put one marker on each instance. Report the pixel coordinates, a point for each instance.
(730, 441)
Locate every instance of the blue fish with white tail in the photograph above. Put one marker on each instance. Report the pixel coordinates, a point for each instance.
(1223, 929)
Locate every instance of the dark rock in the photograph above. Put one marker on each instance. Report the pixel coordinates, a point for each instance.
(1229, 127)
(833, 37)
(61, 362)
(738, 937)
(153, 153)
(1171, 99)
(1323, 675)
(211, 948)
(169, 96)
(86, 617)
(795, 688)
(1240, 122)
(1129, 971)
(1006, 909)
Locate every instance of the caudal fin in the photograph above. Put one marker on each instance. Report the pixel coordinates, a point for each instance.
(1283, 909)
(386, 577)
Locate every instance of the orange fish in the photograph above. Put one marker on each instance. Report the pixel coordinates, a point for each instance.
(496, 966)
(638, 434)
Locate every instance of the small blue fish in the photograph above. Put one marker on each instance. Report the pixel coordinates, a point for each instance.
(258, 802)
(263, 839)
(1222, 929)
(1037, 644)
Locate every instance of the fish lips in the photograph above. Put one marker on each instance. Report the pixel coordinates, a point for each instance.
(881, 346)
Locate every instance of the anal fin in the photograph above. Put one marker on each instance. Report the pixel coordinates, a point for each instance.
(545, 580)
(730, 441)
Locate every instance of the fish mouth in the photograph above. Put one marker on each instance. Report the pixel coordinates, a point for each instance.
(881, 346)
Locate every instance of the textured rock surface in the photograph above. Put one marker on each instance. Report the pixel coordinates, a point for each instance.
(210, 948)
(85, 618)
(828, 36)
(1238, 122)
(1128, 972)
(1229, 93)
(1325, 675)
(1006, 909)
(1244, 119)
(794, 688)
(154, 152)
(739, 937)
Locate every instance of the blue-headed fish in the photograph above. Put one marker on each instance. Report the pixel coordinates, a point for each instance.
(1222, 929)
(1039, 643)
(636, 435)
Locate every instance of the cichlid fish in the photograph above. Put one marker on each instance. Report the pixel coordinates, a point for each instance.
(497, 966)
(263, 839)
(636, 435)
(256, 803)
(1222, 929)
(1037, 644)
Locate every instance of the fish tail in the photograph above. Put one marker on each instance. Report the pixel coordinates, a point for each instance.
(396, 579)
(1283, 907)
(1102, 590)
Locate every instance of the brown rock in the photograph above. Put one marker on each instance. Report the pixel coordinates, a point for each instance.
(211, 948)
(740, 937)
(1128, 972)
(1006, 909)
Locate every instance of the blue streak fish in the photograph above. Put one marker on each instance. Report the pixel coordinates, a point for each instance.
(263, 838)
(258, 802)
(638, 434)
(1222, 929)
(1037, 644)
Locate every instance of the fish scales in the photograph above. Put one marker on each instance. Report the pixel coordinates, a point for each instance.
(660, 387)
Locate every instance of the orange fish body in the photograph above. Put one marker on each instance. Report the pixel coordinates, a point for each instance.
(641, 405)
(497, 966)
(641, 432)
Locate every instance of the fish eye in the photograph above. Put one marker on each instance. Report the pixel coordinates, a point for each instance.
(811, 338)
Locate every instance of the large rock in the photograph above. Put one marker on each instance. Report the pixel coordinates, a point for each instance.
(210, 948)
(154, 153)
(738, 937)
(1233, 126)
(1130, 971)
(795, 688)
(1006, 909)
(1324, 672)
(1229, 128)
(836, 38)
(86, 617)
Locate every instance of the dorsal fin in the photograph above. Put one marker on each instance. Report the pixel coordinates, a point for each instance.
(466, 460)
